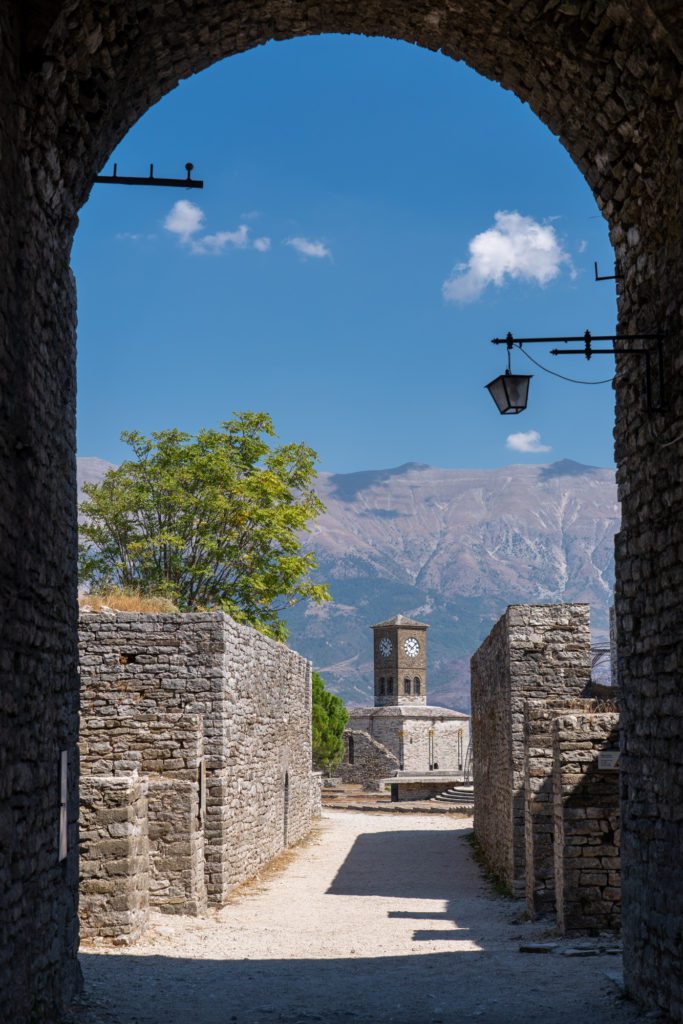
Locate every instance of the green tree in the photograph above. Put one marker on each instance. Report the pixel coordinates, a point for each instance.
(329, 721)
(208, 521)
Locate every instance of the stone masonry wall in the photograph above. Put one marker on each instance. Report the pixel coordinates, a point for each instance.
(163, 743)
(449, 740)
(176, 847)
(539, 813)
(316, 794)
(253, 696)
(533, 652)
(587, 830)
(114, 858)
(372, 761)
(408, 738)
(169, 749)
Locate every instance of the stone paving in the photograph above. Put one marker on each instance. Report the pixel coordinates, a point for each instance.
(377, 918)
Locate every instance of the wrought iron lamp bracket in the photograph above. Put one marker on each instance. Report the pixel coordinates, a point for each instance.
(588, 352)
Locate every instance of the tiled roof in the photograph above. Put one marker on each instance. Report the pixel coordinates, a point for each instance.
(401, 620)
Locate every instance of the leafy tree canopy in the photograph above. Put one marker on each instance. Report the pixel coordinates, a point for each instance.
(329, 721)
(208, 521)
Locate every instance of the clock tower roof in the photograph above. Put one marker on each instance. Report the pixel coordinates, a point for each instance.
(400, 620)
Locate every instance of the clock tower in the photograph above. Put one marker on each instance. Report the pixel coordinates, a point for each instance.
(400, 662)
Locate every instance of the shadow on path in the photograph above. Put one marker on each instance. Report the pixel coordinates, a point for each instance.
(361, 979)
(418, 865)
(422, 989)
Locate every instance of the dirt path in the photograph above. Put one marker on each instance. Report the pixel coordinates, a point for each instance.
(379, 919)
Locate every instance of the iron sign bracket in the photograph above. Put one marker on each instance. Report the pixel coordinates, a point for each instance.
(120, 179)
(607, 277)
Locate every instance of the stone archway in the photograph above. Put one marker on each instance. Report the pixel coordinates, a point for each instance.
(74, 76)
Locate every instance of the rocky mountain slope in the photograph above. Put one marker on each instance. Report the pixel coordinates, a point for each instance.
(452, 547)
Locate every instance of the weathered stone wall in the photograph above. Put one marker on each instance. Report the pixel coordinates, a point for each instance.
(534, 652)
(176, 847)
(449, 740)
(587, 832)
(73, 79)
(169, 750)
(253, 696)
(539, 812)
(114, 858)
(418, 739)
(316, 794)
(164, 743)
(372, 761)
(39, 972)
(539, 809)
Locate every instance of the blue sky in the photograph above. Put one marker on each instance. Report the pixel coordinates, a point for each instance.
(346, 178)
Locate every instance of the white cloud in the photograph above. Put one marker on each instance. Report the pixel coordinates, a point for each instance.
(316, 250)
(185, 219)
(134, 236)
(214, 244)
(582, 246)
(529, 441)
(517, 247)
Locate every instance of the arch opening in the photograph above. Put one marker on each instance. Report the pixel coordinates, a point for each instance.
(624, 138)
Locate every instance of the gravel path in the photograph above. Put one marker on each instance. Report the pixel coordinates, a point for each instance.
(377, 919)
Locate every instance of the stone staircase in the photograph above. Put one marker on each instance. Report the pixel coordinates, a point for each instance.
(352, 797)
(461, 795)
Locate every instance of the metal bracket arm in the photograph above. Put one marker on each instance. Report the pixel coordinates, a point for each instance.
(588, 351)
(120, 179)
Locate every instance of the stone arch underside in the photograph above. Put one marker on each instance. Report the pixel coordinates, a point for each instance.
(606, 77)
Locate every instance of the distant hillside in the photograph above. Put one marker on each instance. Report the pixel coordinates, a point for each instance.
(90, 470)
(452, 547)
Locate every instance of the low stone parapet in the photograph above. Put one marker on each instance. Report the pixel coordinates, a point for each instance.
(414, 787)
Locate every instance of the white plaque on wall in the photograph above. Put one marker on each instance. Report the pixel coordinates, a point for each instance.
(63, 794)
(608, 761)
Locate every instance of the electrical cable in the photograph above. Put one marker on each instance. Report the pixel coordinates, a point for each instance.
(609, 380)
(667, 444)
(572, 380)
(657, 438)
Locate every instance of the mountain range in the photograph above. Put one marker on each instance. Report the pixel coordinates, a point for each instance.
(452, 547)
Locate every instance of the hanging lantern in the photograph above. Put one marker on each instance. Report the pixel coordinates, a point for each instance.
(510, 392)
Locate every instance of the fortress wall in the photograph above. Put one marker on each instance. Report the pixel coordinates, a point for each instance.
(252, 697)
(534, 652)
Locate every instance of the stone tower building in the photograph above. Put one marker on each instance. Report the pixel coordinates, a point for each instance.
(400, 662)
(419, 748)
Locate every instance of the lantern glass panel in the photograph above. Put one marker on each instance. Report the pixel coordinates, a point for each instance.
(510, 392)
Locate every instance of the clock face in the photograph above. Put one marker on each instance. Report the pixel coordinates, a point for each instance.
(385, 647)
(412, 647)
